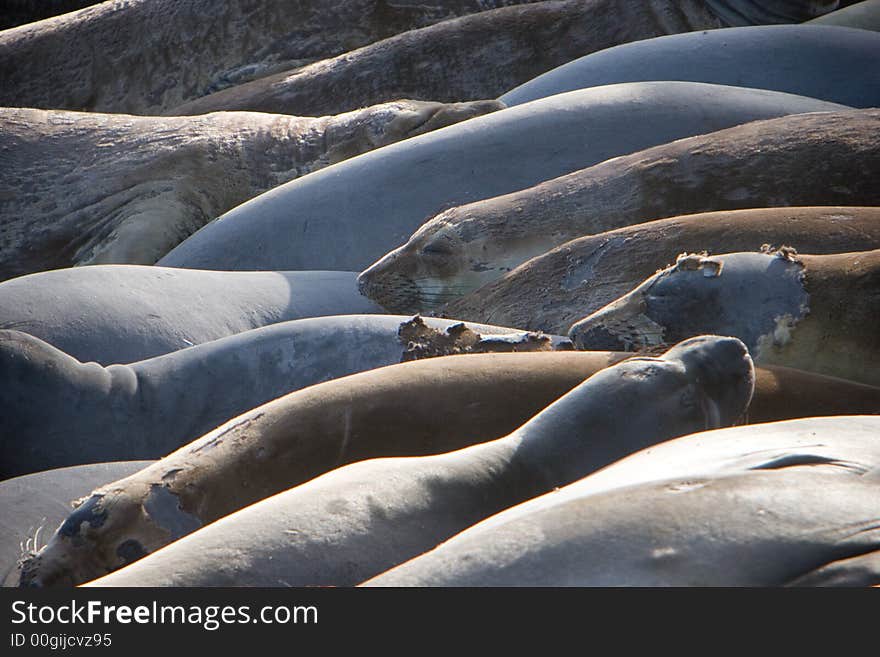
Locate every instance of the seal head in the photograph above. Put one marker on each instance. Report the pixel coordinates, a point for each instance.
(95, 538)
(452, 254)
(757, 297)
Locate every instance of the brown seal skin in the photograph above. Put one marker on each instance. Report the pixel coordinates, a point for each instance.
(840, 335)
(813, 159)
(451, 402)
(511, 44)
(784, 393)
(146, 56)
(553, 290)
(125, 207)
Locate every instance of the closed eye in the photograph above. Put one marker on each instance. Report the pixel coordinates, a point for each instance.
(437, 249)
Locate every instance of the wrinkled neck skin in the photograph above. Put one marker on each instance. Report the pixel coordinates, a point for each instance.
(622, 409)
(447, 258)
(296, 146)
(585, 431)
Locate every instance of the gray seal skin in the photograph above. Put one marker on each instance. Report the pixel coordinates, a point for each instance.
(34, 504)
(815, 313)
(804, 160)
(512, 45)
(744, 513)
(164, 178)
(706, 531)
(360, 520)
(152, 407)
(846, 444)
(553, 290)
(57, 411)
(19, 12)
(759, 12)
(450, 402)
(146, 56)
(830, 63)
(349, 214)
(845, 447)
(125, 313)
(862, 15)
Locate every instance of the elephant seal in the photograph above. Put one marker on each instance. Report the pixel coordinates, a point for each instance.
(145, 56)
(842, 446)
(512, 44)
(816, 313)
(862, 15)
(294, 438)
(810, 159)
(754, 528)
(152, 407)
(450, 402)
(349, 214)
(35, 503)
(359, 520)
(830, 63)
(125, 313)
(119, 205)
(553, 290)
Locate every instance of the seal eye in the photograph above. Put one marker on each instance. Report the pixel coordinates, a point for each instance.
(437, 249)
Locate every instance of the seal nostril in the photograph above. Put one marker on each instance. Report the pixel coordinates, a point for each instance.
(363, 285)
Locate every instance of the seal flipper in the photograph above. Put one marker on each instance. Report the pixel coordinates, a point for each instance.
(51, 386)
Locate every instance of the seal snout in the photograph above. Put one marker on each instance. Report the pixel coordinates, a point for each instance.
(371, 281)
(384, 283)
(365, 284)
(45, 569)
(619, 326)
(715, 356)
(724, 369)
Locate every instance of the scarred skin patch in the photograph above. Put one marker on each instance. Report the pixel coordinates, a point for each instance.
(423, 341)
(759, 297)
(817, 313)
(693, 261)
(108, 529)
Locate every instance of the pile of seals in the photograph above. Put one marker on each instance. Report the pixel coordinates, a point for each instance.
(440, 293)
